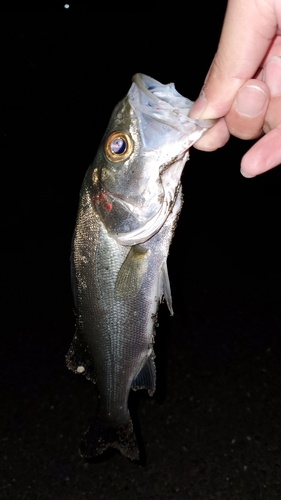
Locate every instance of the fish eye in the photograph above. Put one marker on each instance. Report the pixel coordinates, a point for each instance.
(118, 146)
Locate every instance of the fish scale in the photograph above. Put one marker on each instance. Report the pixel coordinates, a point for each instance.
(130, 200)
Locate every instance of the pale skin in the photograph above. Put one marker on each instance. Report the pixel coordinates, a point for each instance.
(243, 86)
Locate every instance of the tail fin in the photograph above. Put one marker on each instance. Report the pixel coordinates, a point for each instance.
(102, 435)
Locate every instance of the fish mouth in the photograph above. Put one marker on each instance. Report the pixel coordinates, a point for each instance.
(163, 121)
(155, 97)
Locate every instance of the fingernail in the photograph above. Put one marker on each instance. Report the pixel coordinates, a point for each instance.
(247, 176)
(272, 75)
(250, 101)
(198, 106)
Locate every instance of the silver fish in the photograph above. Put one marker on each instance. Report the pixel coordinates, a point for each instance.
(129, 204)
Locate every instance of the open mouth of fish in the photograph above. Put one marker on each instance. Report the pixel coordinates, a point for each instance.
(165, 104)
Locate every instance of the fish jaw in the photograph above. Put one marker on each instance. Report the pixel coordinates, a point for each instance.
(140, 190)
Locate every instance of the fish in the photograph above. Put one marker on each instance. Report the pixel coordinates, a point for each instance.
(130, 200)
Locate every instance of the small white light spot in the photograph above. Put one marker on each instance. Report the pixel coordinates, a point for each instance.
(80, 369)
(66, 5)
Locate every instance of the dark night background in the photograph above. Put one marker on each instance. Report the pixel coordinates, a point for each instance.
(212, 430)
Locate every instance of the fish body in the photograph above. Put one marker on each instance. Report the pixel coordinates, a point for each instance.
(129, 204)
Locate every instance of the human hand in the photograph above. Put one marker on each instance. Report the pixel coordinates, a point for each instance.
(243, 85)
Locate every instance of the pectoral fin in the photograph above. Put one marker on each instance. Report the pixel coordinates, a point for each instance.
(131, 273)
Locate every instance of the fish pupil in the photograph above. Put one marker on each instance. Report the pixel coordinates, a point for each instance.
(118, 145)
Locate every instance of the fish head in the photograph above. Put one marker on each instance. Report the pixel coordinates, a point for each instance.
(135, 176)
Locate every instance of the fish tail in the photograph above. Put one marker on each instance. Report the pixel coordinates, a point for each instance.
(102, 435)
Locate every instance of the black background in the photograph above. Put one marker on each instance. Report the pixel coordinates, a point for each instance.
(212, 430)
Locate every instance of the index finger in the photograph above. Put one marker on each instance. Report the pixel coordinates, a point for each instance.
(248, 30)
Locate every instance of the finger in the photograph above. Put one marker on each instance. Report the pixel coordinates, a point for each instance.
(272, 75)
(275, 48)
(273, 114)
(216, 137)
(247, 33)
(264, 155)
(246, 116)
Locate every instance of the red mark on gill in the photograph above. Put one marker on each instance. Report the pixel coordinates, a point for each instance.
(108, 206)
(101, 198)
